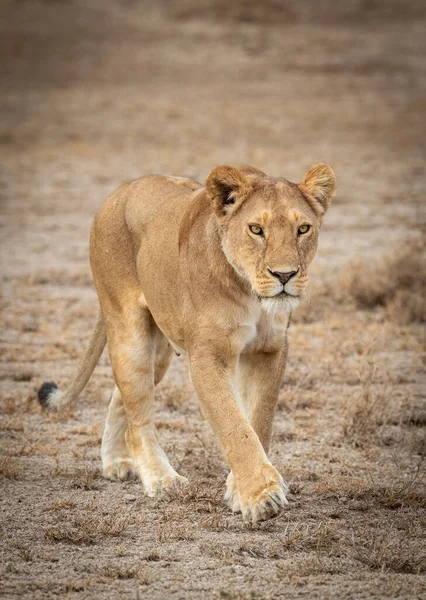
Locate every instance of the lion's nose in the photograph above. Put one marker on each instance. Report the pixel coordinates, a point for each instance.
(284, 277)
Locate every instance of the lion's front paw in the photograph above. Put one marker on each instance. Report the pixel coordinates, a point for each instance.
(266, 505)
(268, 501)
(154, 486)
(120, 469)
(231, 495)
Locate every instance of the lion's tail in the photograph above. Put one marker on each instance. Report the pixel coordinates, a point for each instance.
(54, 399)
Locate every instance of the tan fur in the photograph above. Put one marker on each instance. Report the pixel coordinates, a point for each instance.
(319, 184)
(176, 267)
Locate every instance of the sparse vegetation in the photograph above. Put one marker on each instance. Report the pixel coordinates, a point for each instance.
(88, 528)
(88, 478)
(394, 283)
(136, 571)
(365, 414)
(57, 505)
(8, 468)
(388, 552)
(397, 282)
(98, 93)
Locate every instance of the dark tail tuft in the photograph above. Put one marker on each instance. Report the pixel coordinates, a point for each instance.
(45, 393)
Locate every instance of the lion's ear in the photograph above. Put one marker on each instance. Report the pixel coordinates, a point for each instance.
(318, 185)
(226, 186)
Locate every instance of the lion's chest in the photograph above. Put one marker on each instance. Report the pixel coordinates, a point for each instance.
(266, 331)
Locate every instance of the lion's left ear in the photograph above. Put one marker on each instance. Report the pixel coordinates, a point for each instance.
(318, 185)
(226, 186)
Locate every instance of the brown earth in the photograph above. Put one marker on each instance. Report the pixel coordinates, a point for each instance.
(97, 93)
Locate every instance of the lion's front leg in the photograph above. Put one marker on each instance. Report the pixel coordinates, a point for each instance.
(259, 379)
(259, 486)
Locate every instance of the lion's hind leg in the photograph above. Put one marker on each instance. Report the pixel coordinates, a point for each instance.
(136, 354)
(117, 462)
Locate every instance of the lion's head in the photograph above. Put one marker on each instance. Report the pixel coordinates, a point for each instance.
(269, 226)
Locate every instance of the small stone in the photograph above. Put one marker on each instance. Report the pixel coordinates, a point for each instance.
(129, 497)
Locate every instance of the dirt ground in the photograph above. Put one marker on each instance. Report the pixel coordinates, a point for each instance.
(97, 93)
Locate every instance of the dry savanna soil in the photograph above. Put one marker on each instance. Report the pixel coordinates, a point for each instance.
(97, 93)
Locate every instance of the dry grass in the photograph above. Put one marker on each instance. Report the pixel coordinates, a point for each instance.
(367, 411)
(364, 493)
(388, 552)
(379, 415)
(137, 572)
(8, 468)
(391, 497)
(87, 478)
(397, 282)
(88, 527)
(291, 539)
(57, 505)
(305, 537)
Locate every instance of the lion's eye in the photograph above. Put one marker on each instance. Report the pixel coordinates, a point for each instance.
(303, 229)
(256, 229)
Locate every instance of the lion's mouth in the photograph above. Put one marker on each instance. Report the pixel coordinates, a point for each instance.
(281, 295)
(288, 295)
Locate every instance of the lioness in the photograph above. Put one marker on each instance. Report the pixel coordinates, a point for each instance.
(214, 271)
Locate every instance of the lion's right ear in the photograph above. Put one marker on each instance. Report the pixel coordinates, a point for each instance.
(226, 186)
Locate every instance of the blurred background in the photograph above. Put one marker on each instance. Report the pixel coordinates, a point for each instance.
(94, 93)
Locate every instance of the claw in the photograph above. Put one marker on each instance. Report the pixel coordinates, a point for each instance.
(284, 486)
(274, 505)
(277, 498)
(267, 505)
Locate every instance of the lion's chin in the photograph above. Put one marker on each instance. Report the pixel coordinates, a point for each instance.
(281, 302)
